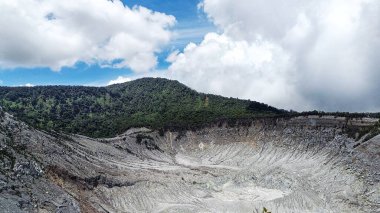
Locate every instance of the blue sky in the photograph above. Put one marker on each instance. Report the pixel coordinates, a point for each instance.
(192, 24)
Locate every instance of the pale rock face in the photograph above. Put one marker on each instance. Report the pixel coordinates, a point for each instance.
(285, 165)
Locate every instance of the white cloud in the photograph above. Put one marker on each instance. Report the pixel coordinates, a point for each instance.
(54, 33)
(295, 54)
(257, 70)
(119, 80)
(27, 85)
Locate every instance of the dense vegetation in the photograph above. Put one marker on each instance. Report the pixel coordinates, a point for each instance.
(107, 111)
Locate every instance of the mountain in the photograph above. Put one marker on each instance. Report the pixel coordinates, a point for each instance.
(188, 154)
(107, 111)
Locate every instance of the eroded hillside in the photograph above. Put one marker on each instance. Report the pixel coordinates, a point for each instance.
(303, 164)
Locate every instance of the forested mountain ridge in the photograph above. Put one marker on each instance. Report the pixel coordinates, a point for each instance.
(107, 111)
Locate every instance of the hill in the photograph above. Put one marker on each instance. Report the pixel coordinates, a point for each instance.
(106, 111)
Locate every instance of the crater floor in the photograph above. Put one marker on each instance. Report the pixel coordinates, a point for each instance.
(285, 166)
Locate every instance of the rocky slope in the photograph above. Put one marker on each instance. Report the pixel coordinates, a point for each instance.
(302, 164)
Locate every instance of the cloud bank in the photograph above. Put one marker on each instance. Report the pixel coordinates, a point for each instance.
(56, 34)
(296, 54)
(119, 80)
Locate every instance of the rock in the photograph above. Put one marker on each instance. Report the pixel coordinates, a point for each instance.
(303, 164)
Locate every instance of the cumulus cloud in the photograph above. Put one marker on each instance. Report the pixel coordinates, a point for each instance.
(29, 85)
(295, 54)
(119, 80)
(55, 34)
(236, 68)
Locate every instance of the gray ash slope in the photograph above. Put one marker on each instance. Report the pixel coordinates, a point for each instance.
(302, 164)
